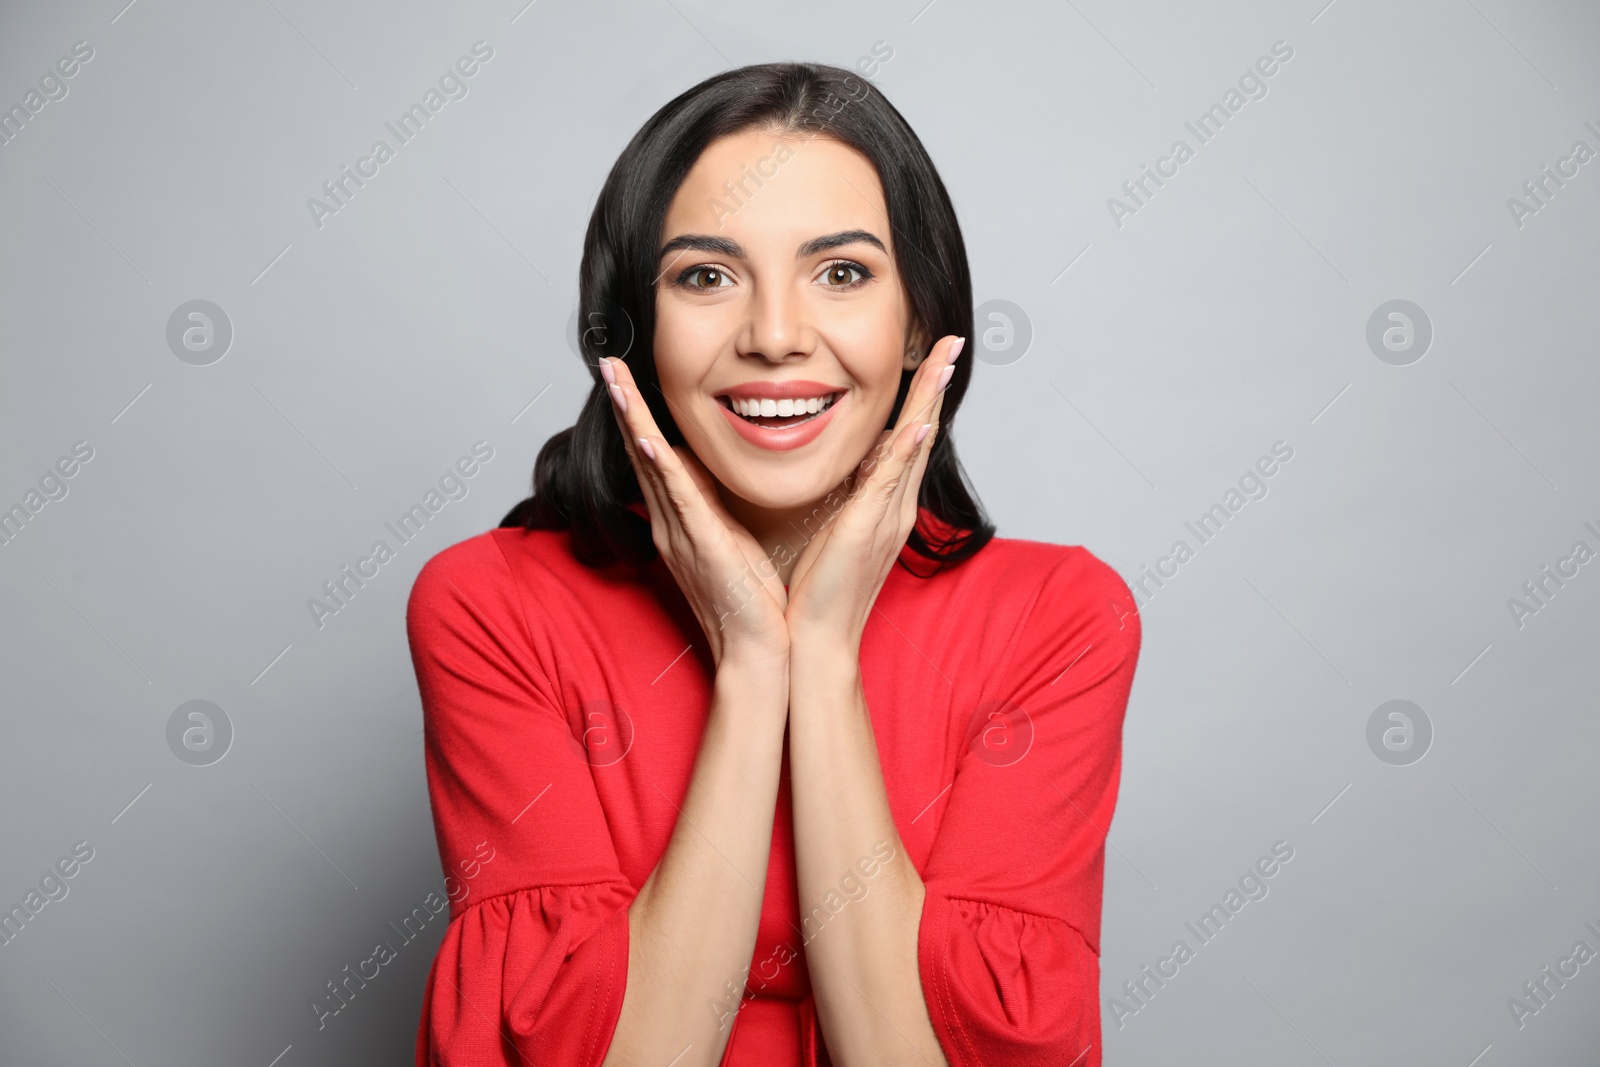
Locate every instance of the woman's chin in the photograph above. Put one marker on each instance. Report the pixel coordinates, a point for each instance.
(787, 494)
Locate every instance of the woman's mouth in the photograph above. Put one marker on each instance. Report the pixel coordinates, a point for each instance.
(779, 425)
(779, 414)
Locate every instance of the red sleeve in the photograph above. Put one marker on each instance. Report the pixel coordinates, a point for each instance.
(534, 963)
(1008, 946)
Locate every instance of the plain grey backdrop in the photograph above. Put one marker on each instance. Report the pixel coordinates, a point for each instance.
(1144, 345)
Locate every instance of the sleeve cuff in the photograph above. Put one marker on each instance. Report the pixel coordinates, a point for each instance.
(532, 976)
(1006, 987)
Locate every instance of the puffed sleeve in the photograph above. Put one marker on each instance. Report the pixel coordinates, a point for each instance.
(534, 962)
(1008, 944)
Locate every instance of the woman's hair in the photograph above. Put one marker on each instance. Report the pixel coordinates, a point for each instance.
(583, 480)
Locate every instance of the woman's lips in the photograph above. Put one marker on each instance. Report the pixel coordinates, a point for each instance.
(789, 437)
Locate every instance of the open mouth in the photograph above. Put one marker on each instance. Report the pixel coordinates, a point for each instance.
(779, 414)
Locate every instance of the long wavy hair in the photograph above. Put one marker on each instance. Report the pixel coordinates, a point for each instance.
(582, 479)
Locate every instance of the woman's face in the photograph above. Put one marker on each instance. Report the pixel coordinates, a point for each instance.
(782, 324)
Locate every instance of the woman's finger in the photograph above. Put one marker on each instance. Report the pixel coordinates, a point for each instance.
(910, 489)
(643, 437)
(898, 447)
(916, 415)
(760, 561)
(919, 422)
(935, 387)
(929, 380)
(875, 494)
(676, 487)
(625, 414)
(707, 555)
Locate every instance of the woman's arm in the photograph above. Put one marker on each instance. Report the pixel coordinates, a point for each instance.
(692, 928)
(863, 961)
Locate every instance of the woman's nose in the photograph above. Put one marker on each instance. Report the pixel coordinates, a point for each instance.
(777, 327)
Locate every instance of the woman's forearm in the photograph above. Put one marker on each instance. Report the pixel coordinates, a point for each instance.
(863, 956)
(692, 927)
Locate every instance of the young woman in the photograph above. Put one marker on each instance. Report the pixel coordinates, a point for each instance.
(747, 741)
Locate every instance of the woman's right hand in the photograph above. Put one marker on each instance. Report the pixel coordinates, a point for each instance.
(719, 566)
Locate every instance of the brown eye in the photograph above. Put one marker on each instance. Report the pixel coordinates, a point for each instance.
(844, 275)
(714, 277)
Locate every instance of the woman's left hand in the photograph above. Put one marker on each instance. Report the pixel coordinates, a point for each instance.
(840, 571)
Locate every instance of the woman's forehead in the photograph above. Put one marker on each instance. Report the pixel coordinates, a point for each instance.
(760, 187)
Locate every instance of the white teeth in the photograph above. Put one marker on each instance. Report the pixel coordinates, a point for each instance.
(782, 408)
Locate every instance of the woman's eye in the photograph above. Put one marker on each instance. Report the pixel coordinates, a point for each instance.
(844, 275)
(705, 278)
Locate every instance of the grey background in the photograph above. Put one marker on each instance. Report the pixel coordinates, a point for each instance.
(1229, 313)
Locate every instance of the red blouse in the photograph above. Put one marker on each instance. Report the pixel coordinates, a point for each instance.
(564, 707)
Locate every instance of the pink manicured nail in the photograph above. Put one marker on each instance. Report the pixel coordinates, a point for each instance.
(922, 431)
(647, 448)
(622, 401)
(607, 372)
(945, 375)
(955, 349)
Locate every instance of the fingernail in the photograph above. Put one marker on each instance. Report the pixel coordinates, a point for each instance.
(647, 448)
(922, 431)
(955, 349)
(946, 374)
(607, 372)
(616, 394)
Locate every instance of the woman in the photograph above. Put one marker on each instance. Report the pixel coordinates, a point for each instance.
(753, 793)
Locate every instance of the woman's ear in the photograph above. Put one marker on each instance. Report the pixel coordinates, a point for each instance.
(916, 347)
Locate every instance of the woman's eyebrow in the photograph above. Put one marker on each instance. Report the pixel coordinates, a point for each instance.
(835, 240)
(701, 242)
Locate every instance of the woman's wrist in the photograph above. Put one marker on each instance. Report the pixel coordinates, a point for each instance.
(823, 643)
(750, 671)
(821, 655)
(754, 646)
